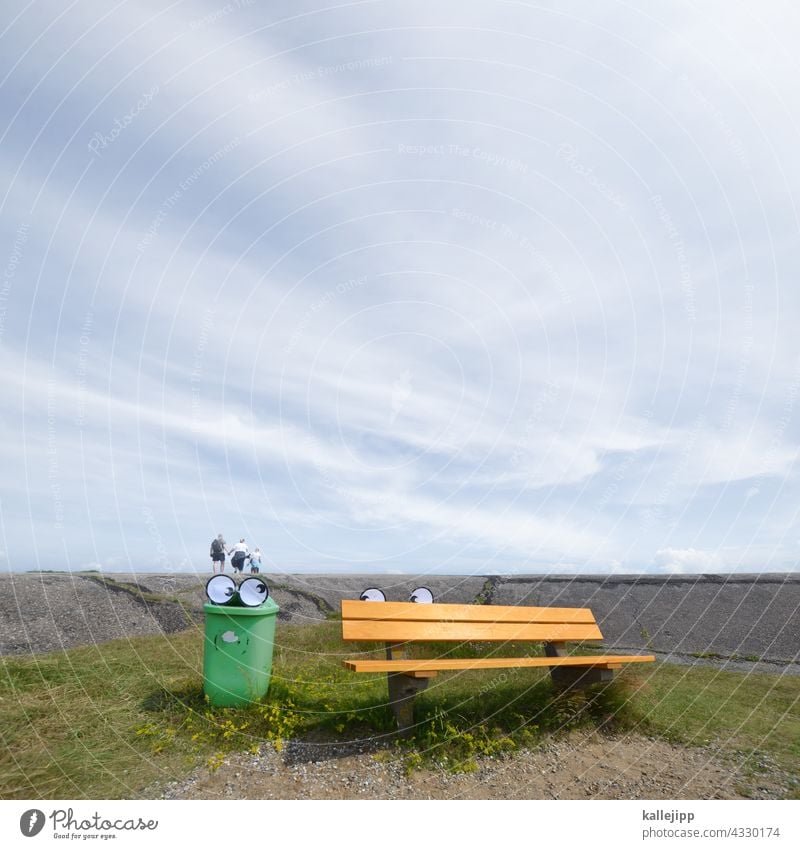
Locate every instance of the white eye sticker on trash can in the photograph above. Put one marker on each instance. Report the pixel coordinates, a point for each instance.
(220, 589)
(253, 592)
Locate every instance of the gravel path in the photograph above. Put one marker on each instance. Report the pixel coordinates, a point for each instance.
(584, 765)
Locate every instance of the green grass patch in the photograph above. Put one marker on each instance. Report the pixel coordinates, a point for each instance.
(116, 720)
(746, 714)
(68, 719)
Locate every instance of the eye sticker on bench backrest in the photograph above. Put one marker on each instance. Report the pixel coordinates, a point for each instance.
(422, 595)
(372, 594)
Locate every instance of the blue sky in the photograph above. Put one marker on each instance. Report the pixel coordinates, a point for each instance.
(400, 286)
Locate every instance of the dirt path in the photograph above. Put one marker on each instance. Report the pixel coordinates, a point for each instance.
(582, 766)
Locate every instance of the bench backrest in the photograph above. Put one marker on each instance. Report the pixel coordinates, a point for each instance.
(403, 621)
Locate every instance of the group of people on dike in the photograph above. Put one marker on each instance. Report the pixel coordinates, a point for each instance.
(239, 554)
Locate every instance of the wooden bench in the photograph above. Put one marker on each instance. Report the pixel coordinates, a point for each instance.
(398, 623)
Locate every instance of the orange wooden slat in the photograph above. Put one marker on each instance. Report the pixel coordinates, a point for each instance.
(401, 631)
(403, 610)
(610, 661)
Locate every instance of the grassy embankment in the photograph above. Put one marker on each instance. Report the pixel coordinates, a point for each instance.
(112, 720)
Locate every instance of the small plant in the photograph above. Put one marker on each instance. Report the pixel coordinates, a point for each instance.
(215, 761)
(157, 736)
(454, 742)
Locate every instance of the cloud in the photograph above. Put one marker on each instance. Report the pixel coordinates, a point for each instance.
(375, 288)
(687, 560)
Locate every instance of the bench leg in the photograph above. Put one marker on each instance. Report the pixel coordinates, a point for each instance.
(569, 678)
(402, 689)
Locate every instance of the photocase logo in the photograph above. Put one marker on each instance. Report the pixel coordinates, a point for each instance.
(31, 822)
(65, 824)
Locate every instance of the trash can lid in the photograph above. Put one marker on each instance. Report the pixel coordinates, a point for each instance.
(268, 607)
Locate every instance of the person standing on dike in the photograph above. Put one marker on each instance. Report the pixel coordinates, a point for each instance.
(217, 553)
(238, 555)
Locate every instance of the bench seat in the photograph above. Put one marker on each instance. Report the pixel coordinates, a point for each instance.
(609, 661)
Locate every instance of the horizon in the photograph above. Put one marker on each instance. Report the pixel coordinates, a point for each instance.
(735, 576)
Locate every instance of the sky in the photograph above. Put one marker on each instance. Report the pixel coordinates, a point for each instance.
(454, 287)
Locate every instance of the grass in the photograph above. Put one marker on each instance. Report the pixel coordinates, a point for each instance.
(754, 716)
(712, 655)
(114, 720)
(68, 719)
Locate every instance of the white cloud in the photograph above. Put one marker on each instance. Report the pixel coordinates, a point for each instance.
(527, 366)
(684, 560)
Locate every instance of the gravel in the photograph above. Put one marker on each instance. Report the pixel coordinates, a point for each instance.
(582, 765)
(718, 619)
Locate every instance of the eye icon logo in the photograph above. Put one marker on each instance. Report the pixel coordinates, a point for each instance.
(31, 822)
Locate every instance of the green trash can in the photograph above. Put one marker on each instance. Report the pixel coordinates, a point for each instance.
(237, 662)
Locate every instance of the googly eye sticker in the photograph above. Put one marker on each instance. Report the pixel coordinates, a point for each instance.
(253, 592)
(220, 589)
(422, 595)
(372, 594)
